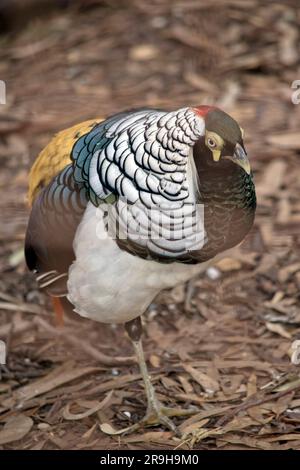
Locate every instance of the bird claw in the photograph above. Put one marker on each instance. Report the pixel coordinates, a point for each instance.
(157, 414)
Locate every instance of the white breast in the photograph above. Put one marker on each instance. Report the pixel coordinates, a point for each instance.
(110, 285)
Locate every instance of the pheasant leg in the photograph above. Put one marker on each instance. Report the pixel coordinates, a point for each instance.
(156, 412)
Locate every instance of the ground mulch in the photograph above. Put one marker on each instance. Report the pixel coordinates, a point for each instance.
(222, 342)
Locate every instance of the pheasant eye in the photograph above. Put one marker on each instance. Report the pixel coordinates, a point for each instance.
(211, 143)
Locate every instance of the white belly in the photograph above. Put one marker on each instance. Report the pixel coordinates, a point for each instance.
(109, 285)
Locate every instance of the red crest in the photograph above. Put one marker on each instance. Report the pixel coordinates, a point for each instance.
(203, 110)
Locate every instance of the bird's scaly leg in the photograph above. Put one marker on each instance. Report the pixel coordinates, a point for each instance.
(156, 412)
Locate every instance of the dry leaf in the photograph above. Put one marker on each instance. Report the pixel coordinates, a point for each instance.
(272, 178)
(154, 360)
(143, 52)
(252, 385)
(77, 416)
(61, 375)
(287, 271)
(286, 140)
(229, 264)
(111, 431)
(279, 329)
(15, 429)
(209, 385)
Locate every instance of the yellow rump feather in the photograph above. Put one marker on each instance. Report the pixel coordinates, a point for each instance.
(56, 156)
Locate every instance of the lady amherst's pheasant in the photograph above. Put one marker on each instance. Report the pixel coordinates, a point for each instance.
(125, 207)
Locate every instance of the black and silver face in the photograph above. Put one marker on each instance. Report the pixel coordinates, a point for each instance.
(222, 142)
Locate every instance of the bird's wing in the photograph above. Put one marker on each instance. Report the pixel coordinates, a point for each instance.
(55, 157)
(142, 158)
(137, 154)
(56, 213)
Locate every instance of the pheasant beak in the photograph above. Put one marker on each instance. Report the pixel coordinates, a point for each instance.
(216, 155)
(240, 158)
